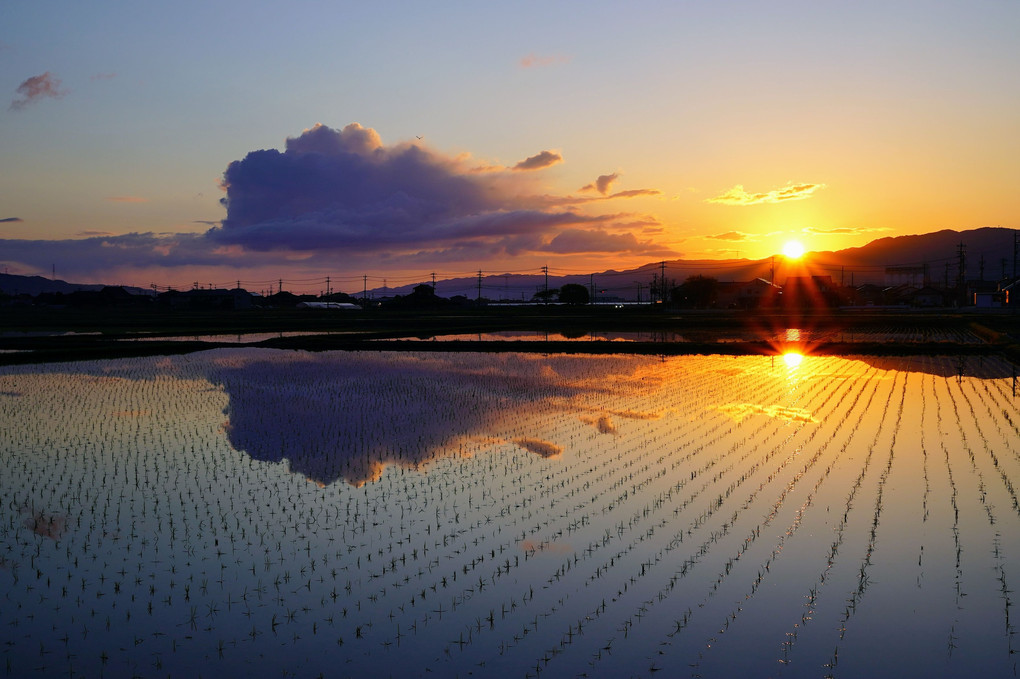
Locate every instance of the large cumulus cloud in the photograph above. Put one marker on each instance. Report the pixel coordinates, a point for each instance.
(344, 190)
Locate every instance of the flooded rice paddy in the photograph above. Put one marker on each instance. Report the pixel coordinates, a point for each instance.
(250, 511)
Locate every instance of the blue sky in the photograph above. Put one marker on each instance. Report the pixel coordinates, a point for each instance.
(724, 129)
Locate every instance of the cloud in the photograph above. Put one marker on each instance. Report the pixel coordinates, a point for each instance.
(602, 184)
(539, 161)
(738, 196)
(599, 240)
(127, 199)
(849, 231)
(343, 195)
(8, 220)
(634, 193)
(103, 76)
(533, 60)
(345, 190)
(731, 235)
(35, 88)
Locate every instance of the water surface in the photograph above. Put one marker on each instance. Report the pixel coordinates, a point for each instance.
(250, 510)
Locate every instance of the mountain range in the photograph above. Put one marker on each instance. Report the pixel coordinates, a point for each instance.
(988, 253)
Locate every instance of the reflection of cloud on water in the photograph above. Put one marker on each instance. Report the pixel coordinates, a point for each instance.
(50, 526)
(338, 415)
(539, 447)
(738, 411)
(603, 423)
(549, 547)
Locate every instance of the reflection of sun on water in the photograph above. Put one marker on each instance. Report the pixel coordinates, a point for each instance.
(792, 359)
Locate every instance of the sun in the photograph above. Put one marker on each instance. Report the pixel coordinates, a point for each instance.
(793, 249)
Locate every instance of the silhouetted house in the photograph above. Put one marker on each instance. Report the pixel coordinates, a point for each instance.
(806, 292)
(984, 294)
(900, 295)
(1011, 292)
(222, 300)
(870, 294)
(754, 294)
(929, 296)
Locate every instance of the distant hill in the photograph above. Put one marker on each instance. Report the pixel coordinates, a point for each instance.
(34, 285)
(886, 261)
(909, 255)
(936, 251)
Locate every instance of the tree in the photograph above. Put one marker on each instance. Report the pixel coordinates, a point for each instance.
(697, 291)
(546, 295)
(573, 293)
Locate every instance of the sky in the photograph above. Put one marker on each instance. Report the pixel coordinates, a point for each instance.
(171, 144)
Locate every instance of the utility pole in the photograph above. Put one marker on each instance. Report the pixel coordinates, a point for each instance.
(961, 276)
(591, 286)
(364, 293)
(327, 286)
(545, 270)
(662, 281)
(772, 271)
(281, 286)
(479, 298)
(433, 281)
(1016, 249)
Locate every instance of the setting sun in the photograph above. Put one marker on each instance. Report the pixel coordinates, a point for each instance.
(793, 249)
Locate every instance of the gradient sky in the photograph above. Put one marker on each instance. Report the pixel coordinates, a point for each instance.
(582, 136)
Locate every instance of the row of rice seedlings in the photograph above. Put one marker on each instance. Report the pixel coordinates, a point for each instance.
(645, 567)
(747, 549)
(278, 610)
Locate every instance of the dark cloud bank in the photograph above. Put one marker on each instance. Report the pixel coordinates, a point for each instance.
(343, 192)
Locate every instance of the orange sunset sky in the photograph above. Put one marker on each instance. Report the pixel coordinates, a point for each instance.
(218, 142)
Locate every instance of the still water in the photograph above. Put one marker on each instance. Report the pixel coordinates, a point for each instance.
(247, 511)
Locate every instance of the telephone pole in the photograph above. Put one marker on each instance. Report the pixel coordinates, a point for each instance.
(364, 292)
(479, 298)
(961, 276)
(545, 270)
(662, 281)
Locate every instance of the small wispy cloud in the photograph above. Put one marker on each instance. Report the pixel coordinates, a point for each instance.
(738, 196)
(93, 234)
(843, 231)
(539, 161)
(533, 60)
(602, 184)
(127, 199)
(731, 236)
(9, 220)
(634, 193)
(35, 88)
(103, 76)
